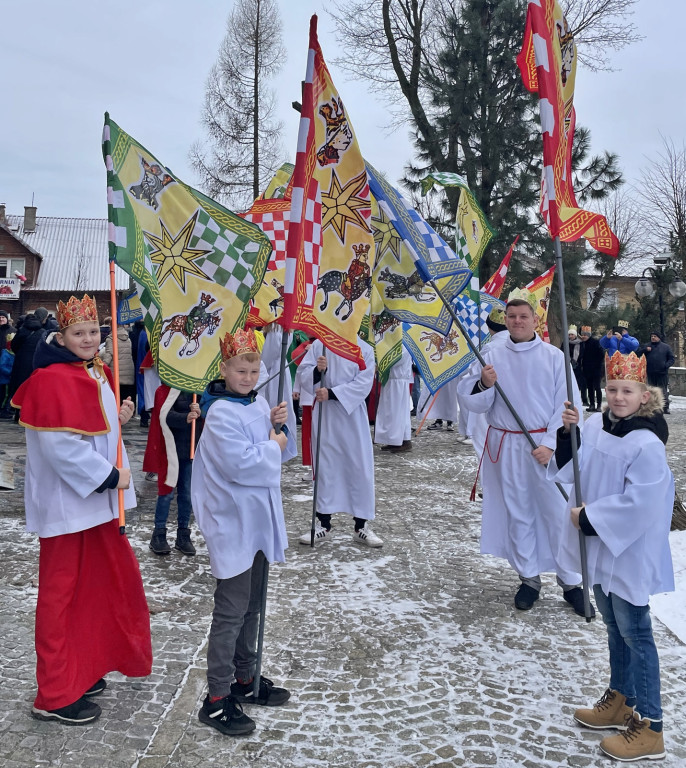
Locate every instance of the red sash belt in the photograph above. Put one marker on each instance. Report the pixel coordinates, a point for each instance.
(487, 449)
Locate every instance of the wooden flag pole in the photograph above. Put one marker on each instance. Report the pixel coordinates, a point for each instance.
(426, 415)
(117, 397)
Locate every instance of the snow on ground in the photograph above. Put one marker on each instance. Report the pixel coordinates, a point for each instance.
(670, 608)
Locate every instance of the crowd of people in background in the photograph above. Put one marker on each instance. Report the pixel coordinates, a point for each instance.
(587, 356)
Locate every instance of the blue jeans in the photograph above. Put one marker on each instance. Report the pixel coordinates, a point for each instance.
(634, 665)
(183, 499)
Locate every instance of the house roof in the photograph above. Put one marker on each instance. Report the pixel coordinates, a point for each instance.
(75, 253)
(627, 266)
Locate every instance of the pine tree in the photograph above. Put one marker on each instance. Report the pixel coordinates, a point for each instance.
(241, 151)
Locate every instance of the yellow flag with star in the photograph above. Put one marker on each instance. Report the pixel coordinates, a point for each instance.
(196, 264)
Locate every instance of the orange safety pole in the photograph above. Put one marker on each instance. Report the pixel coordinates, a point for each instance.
(115, 372)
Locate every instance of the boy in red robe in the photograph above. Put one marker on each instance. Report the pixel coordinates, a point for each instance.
(91, 617)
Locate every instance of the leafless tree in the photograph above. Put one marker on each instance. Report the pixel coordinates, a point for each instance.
(663, 191)
(81, 269)
(241, 151)
(623, 212)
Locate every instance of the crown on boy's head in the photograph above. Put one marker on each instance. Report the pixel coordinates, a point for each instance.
(586, 329)
(622, 323)
(75, 311)
(239, 343)
(629, 367)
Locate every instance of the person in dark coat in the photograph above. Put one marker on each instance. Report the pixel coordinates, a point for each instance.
(46, 320)
(6, 363)
(593, 366)
(659, 359)
(24, 346)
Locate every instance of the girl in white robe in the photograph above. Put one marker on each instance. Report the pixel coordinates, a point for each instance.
(392, 424)
(345, 482)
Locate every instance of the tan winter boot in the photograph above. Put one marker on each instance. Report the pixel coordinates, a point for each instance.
(638, 742)
(610, 711)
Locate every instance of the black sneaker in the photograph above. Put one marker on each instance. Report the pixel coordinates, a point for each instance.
(525, 598)
(226, 715)
(269, 695)
(81, 712)
(575, 597)
(97, 688)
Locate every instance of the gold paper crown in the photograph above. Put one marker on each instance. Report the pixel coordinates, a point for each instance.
(586, 329)
(497, 315)
(522, 293)
(622, 323)
(572, 329)
(240, 343)
(76, 311)
(629, 367)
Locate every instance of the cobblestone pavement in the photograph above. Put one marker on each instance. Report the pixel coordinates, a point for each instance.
(411, 655)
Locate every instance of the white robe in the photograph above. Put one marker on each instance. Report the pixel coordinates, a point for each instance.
(445, 406)
(346, 458)
(523, 512)
(271, 358)
(236, 487)
(63, 469)
(393, 423)
(477, 426)
(628, 492)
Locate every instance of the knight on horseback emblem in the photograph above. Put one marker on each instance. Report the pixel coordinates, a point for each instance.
(193, 325)
(351, 284)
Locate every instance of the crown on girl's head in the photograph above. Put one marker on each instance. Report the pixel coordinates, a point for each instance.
(75, 311)
(629, 367)
(239, 343)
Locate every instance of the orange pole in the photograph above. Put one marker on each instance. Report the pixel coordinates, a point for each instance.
(117, 397)
(195, 400)
(428, 411)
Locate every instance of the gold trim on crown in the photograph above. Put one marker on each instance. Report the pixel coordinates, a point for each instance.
(75, 311)
(629, 367)
(240, 343)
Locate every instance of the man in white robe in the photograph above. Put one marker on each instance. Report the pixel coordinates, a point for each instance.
(393, 427)
(345, 482)
(523, 513)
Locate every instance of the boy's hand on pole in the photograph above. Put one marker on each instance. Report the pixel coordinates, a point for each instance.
(321, 394)
(279, 414)
(570, 416)
(321, 363)
(488, 376)
(281, 439)
(542, 454)
(194, 413)
(574, 513)
(124, 478)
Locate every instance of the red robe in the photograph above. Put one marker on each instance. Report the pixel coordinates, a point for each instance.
(92, 615)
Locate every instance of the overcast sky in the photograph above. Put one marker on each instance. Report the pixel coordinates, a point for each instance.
(65, 63)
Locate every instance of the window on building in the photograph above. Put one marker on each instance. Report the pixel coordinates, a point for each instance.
(9, 266)
(609, 299)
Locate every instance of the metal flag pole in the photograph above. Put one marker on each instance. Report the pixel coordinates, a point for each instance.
(572, 432)
(265, 567)
(320, 415)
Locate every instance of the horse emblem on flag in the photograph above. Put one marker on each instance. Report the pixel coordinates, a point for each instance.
(353, 284)
(192, 326)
